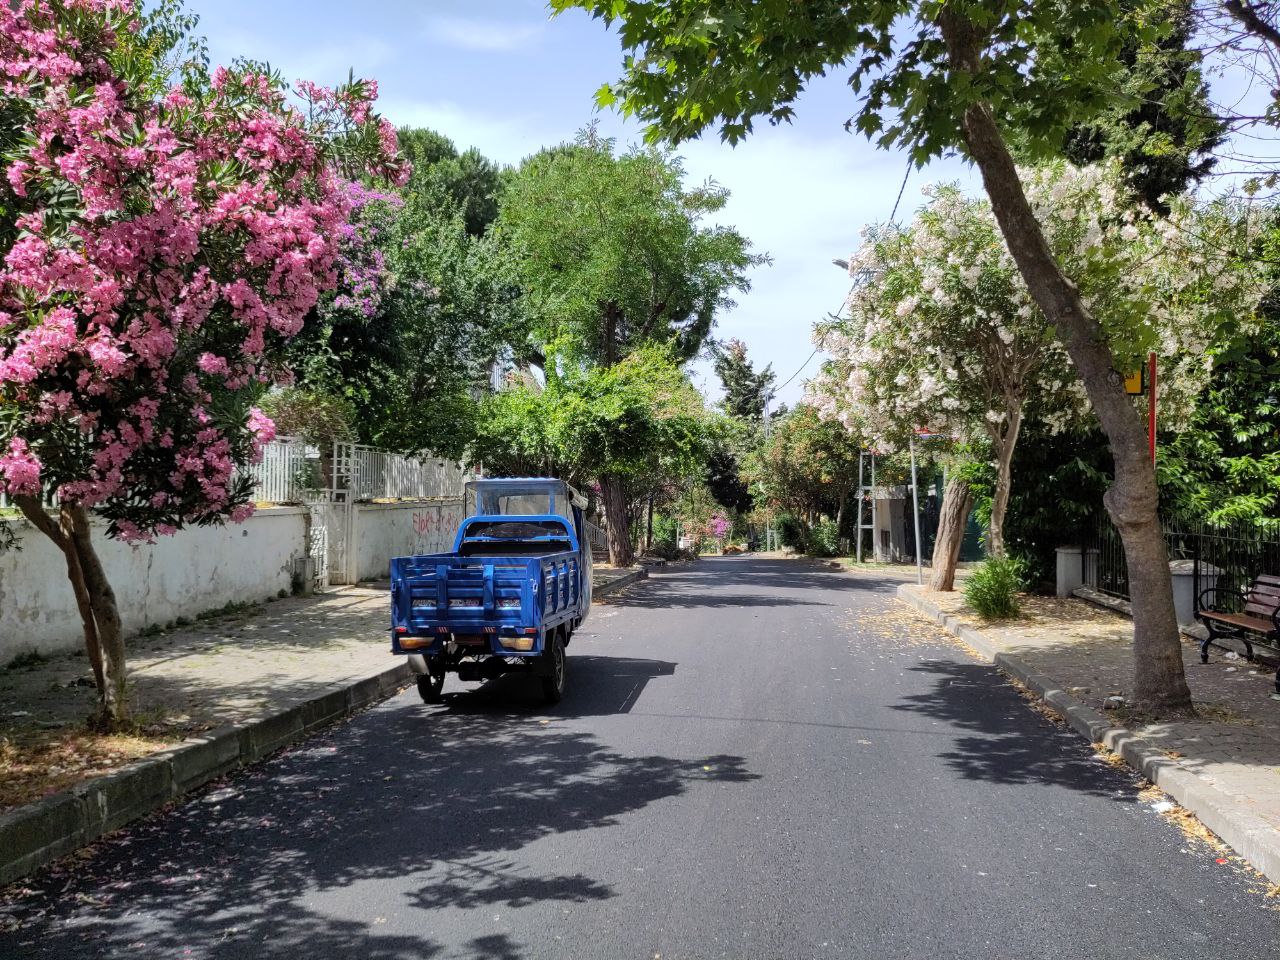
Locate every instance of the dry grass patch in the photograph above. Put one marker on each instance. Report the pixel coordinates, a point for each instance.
(1221, 714)
(37, 763)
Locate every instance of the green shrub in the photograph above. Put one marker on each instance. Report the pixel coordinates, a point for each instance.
(992, 589)
(666, 530)
(824, 539)
(792, 531)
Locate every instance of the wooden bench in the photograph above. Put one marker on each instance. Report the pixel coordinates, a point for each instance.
(1251, 616)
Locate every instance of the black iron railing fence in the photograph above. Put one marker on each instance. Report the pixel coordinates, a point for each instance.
(1227, 555)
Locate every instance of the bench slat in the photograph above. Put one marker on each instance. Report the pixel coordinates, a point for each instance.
(1239, 620)
(1271, 590)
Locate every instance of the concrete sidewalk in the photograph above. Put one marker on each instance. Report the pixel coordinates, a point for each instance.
(208, 696)
(1223, 766)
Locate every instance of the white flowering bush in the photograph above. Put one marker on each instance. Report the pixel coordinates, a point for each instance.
(941, 332)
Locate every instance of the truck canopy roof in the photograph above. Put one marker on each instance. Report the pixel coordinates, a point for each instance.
(522, 496)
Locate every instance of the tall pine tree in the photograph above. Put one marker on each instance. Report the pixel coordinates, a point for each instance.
(746, 392)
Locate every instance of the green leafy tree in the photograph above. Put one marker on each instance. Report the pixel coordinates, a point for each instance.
(732, 442)
(938, 75)
(424, 308)
(640, 421)
(613, 256)
(466, 183)
(1225, 465)
(746, 391)
(1163, 129)
(808, 466)
(746, 394)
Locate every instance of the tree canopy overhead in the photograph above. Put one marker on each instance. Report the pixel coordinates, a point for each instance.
(614, 253)
(698, 64)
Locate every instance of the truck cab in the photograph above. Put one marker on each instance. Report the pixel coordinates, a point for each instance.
(507, 598)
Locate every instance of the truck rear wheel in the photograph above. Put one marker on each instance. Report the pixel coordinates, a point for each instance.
(430, 686)
(553, 679)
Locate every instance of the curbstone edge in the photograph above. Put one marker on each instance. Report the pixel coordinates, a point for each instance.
(38, 833)
(626, 580)
(41, 832)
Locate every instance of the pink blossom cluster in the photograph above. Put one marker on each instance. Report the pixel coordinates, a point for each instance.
(206, 227)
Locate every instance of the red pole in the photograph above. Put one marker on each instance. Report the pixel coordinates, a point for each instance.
(1151, 405)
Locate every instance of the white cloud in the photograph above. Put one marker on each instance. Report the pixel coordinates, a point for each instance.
(483, 35)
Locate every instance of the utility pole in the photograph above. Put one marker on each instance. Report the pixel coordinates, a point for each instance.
(770, 535)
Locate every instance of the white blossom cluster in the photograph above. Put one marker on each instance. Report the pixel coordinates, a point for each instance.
(941, 332)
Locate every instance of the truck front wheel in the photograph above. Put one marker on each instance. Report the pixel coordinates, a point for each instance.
(554, 676)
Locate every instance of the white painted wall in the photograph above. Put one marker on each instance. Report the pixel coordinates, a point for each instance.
(386, 530)
(184, 575)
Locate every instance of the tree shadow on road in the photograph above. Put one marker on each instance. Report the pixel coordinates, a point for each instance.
(335, 847)
(1010, 743)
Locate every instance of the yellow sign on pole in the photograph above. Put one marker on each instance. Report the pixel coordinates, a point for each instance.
(1135, 383)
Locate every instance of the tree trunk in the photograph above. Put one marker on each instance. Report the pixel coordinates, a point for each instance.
(957, 501)
(842, 499)
(113, 706)
(1005, 445)
(60, 534)
(1159, 680)
(95, 601)
(615, 521)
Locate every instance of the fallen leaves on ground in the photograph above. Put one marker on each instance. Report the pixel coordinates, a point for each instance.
(43, 762)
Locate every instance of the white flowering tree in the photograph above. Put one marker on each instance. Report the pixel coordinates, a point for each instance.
(942, 332)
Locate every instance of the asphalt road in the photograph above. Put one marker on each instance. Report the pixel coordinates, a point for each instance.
(756, 759)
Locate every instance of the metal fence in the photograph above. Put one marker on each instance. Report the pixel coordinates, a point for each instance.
(367, 473)
(1229, 556)
(294, 471)
(599, 540)
(289, 471)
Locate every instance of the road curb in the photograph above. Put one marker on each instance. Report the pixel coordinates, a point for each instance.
(39, 833)
(1245, 832)
(617, 583)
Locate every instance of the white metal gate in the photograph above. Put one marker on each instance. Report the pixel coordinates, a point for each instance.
(331, 516)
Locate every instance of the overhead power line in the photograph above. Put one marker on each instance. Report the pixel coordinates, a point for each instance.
(798, 372)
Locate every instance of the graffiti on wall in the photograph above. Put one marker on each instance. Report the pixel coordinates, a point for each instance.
(434, 529)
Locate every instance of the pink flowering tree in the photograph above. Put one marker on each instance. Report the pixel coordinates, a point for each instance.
(718, 528)
(161, 250)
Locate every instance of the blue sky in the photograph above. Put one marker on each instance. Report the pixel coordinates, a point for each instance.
(500, 76)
